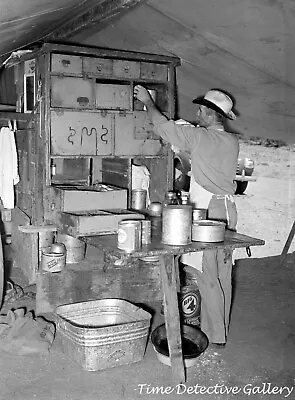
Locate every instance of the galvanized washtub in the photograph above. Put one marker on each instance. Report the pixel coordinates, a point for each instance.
(101, 334)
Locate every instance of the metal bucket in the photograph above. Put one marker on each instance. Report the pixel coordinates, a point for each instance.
(75, 248)
(177, 224)
(129, 235)
(53, 262)
(138, 200)
(45, 242)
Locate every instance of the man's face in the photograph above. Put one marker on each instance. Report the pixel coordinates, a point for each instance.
(202, 116)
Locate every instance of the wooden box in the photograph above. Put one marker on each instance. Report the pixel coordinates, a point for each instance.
(95, 222)
(85, 198)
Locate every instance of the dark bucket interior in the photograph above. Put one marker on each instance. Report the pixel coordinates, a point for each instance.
(194, 341)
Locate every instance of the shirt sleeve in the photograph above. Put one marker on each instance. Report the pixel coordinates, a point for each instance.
(183, 137)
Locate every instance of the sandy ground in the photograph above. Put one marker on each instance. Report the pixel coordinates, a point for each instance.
(267, 208)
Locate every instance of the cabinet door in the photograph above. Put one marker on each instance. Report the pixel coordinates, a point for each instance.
(68, 92)
(81, 133)
(97, 66)
(127, 143)
(126, 69)
(157, 72)
(65, 64)
(116, 97)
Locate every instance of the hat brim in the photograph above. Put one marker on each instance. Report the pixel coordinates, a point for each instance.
(202, 101)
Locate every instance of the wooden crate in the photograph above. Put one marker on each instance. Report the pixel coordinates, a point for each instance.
(96, 222)
(75, 198)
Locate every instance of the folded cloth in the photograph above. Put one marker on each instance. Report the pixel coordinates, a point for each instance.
(22, 334)
(8, 167)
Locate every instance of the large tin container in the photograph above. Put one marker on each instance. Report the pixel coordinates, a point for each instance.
(102, 334)
(177, 224)
(129, 235)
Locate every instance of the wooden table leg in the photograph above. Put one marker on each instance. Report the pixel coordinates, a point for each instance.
(172, 320)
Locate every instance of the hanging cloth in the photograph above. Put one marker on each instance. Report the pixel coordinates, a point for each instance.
(8, 167)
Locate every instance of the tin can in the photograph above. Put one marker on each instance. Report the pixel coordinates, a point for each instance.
(138, 200)
(146, 232)
(129, 235)
(190, 304)
(53, 262)
(199, 213)
(177, 225)
(75, 248)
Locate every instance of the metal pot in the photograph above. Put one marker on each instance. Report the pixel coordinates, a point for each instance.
(208, 231)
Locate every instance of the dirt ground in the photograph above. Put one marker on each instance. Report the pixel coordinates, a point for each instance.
(267, 208)
(258, 361)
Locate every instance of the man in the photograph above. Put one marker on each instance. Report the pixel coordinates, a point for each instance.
(214, 153)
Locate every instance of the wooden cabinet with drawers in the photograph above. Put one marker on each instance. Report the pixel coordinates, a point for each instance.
(85, 109)
(87, 128)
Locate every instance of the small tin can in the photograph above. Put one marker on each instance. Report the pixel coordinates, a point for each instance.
(53, 262)
(138, 200)
(129, 235)
(146, 232)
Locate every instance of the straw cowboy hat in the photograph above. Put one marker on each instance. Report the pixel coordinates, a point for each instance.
(217, 101)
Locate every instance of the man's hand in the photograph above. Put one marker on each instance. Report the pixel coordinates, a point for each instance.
(141, 94)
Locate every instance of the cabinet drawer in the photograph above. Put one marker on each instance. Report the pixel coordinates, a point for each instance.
(130, 141)
(97, 66)
(157, 72)
(71, 92)
(113, 96)
(66, 64)
(81, 133)
(127, 69)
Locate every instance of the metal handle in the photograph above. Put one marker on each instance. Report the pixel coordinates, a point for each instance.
(248, 251)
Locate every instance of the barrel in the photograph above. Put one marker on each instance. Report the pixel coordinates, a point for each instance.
(177, 225)
(76, 248)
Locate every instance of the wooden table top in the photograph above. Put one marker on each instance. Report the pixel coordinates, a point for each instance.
(108, 243)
